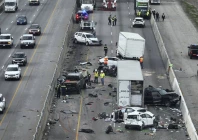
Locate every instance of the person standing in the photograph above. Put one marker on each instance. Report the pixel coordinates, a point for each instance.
(63, 91)
(154, 13)
(163, 16)
(157, 16)
(105, 49)
(58, 91)
(114, 20)
(141, 61)
(102, 75)
(109, 19)
(96, 76)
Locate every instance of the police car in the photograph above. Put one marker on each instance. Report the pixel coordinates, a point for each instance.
(81, 15)
(138, 21)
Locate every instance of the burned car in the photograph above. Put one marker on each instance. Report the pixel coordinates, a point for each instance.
(108, 70)
(160, 96)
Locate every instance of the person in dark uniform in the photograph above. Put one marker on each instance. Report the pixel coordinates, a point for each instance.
(109, 19)
(114, 21)
(63, 91)
(105, 49)
(58, 91)
(157, 16)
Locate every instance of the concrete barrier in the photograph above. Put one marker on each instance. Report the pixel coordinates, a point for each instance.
(173, 81)
(51, 91)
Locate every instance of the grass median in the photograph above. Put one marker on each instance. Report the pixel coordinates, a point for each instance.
(191, 11)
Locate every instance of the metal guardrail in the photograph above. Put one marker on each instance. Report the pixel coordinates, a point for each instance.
(47, 104)
(173, 81)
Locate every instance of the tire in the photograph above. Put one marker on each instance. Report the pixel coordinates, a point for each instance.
(75, 41)
(19, 77)
(140, 128)
(87, 43)
(167, 104)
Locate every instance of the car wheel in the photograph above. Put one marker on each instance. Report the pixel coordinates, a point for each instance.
(87, 43)
(6, 79)
(75, 41)
(167, 104)
(19, 77)
(140, 128)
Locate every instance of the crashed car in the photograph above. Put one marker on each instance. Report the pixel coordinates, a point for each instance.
(160, 96)
(138, 22)
(2, 103)
(111, 61)
(139, 120)
(86, 38)
(108, 70)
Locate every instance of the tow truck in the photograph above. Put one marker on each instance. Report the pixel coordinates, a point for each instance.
(109, 5)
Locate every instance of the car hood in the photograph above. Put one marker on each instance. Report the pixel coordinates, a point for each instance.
(26, 41)
(94, 39)
(2, 40)
(12, 72)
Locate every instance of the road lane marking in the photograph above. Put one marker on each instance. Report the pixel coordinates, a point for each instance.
(34, 15)
(130, 19)
(111, 33)
(81, 102)
(37, 9)
(6, 28)
(9, 55)
(26, 69)
(111, 41)
(2, 67)
(12, 22)
(129, 13)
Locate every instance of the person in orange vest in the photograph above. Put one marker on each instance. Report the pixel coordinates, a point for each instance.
(141, 61)
(105, 60)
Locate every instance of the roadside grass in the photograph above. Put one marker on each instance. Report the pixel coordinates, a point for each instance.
(191, 11)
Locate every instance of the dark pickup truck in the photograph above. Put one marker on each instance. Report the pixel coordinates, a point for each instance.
(160, 96)
(75, 81)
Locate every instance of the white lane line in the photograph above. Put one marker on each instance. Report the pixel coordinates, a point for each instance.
(111, 41)
(9, 55)
(111, 33)
(25, 28)
(129, 13)
(6, 28)
(12, 22)
(21, 10)
(130, 19)
(16, 15)
(2, 67)
(34, 15)
(37, 9)
(30, 21)
(25, 4)
(15, 46)
(1, 13)
(128, 7)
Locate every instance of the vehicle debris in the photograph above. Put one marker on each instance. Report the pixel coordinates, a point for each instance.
(95, 118)
(89, 103)
(86, 130)
(107, 103)
(86, 63)
(103, 115)
(173, 126)
(92, 95)
(109, 129)
(68, 112)
(110, 85)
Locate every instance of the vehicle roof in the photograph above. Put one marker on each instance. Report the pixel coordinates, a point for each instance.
(132, 35)
(10, 0)
(34, 24)
(12, 65)
(27, 34)
(139, 113)
(19, 53)
(138, 18)
(5, 34)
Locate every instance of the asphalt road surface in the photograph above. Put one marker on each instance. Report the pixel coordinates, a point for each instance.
(25, 98)
(178, 33)
(67, 124)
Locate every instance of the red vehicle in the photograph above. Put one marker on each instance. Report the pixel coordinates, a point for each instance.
(81, 15)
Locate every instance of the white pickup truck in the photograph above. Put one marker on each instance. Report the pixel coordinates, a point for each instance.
(27, 40)
(86, 38)
(6, 40)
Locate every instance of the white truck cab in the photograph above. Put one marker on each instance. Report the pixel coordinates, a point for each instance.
(88, 5)
(2, 103)
(10, 5)
(139, 119)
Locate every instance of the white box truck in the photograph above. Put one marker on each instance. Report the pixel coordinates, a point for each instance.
(10, 5)
(130, 83)
(130, 45)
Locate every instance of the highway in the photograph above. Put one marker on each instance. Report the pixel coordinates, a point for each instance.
(25, 98)
(176, 39)
(154, 74)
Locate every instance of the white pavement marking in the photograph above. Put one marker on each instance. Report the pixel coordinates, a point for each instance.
(37, 9)
(2, 67)
(34, 15)
(111, 33)
(15, 46)
(129, 13)
(9, 55)
(12, 22)
(6, 28)
(16, 15)
(25, 4)
(21, 10)
(1, 13)
(130, 19)
(25, 28)
(128, 7)
(30, 21)
(111, 41)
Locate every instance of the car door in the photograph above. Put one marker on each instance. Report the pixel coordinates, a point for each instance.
(144, 119)
(156, 97)
(79, 37)
(149, 119)
(83, 38)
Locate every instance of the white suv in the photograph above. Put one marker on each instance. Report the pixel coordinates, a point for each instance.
(138, 21)
(13, 71)
(27, 40)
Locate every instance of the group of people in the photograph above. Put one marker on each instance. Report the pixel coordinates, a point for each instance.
(157, 16)
(112, 20)
(96, 76)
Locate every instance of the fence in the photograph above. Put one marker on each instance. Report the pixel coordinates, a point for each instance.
(47, 104)
(173, 81)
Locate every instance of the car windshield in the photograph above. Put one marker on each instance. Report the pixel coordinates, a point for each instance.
(138, 19)
(4, 37)
(132, 117)
(72, 78)
(9, 3)
(87, 2)
(27, 38)
(12, 69)
(87, 24)
(19, 55)
(21, 18)
(34, 26)
(90, 36)
(194, 51)
(162, 92)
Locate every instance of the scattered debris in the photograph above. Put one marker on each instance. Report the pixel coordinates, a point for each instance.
(64, 101)
(173, 126)
(86, 63)
(50, 122)
(119, 130)
(102, 115)
(95, 118)
(107, 119)
(89, 103)
(109, 129)
(110, 85)
(86, 130)
(92, 95)
(107, 103)
(69, 112)
(119, 121)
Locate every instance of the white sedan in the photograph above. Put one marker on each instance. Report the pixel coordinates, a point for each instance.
(111, 61)
(13, 71)
(138, 21)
